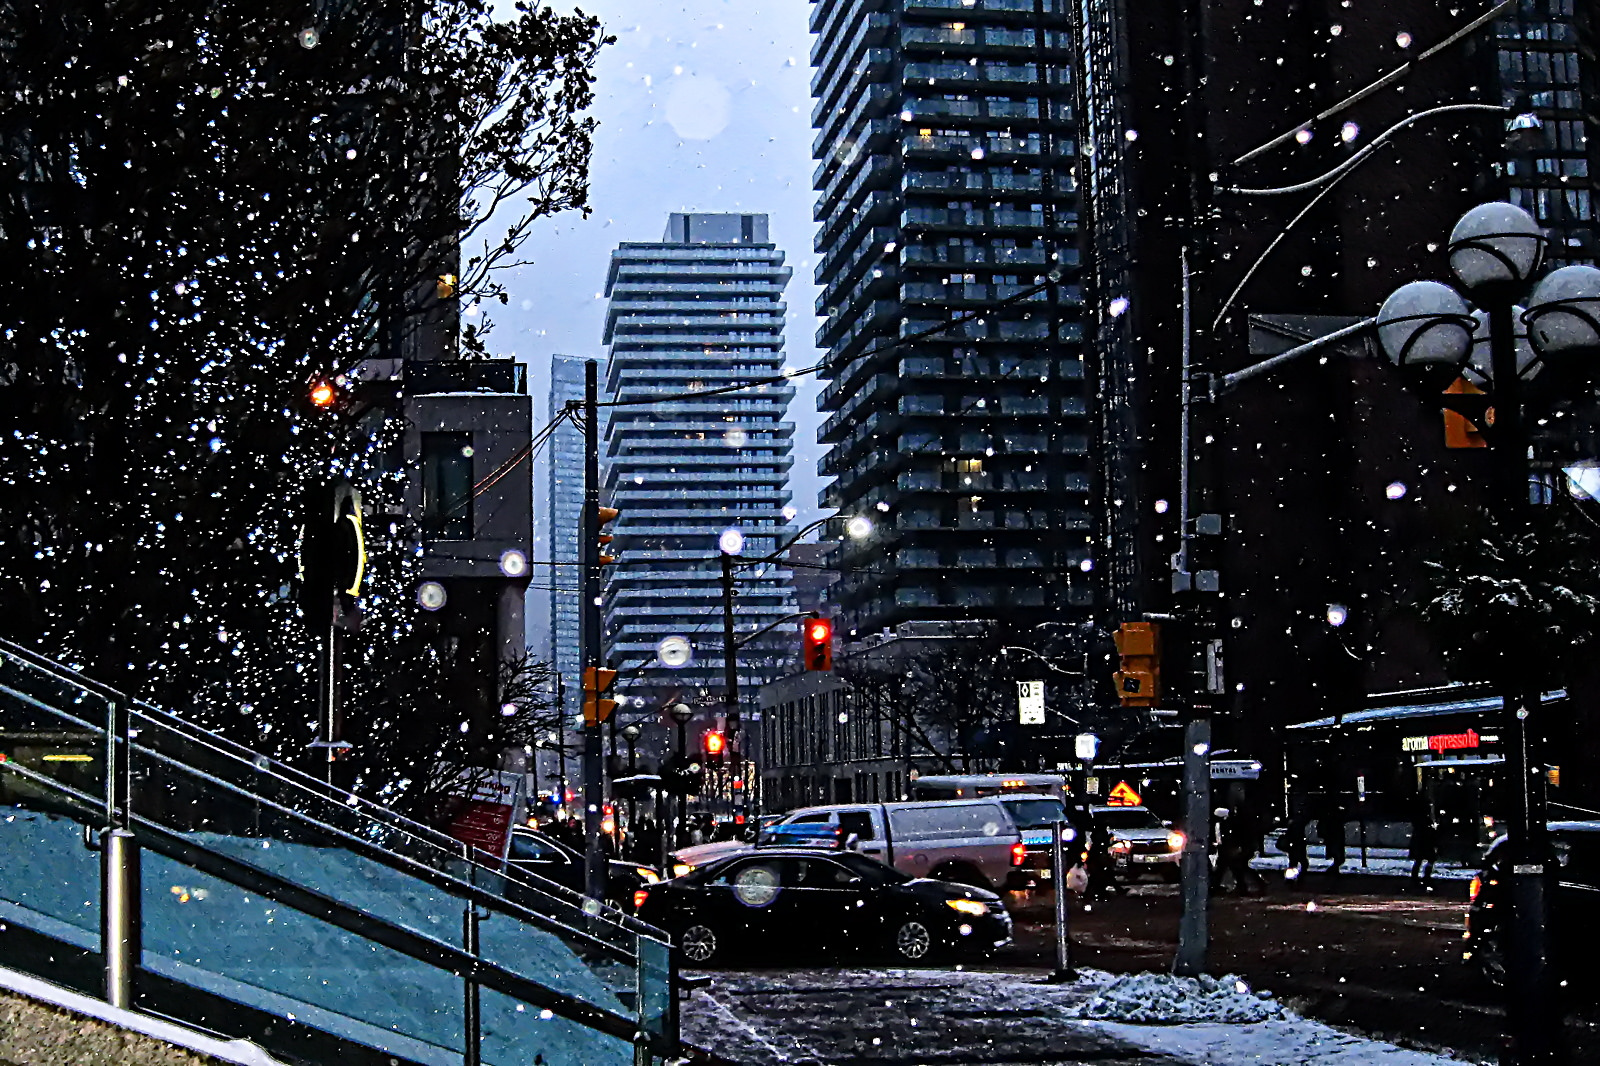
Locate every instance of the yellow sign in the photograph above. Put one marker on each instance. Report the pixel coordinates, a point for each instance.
(1124, 796)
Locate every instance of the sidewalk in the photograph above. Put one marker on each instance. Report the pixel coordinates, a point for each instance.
(1381, 862)
(904, 1016)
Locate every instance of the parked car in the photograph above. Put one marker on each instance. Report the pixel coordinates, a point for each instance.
(1576, 847)
(1140, 842)
(975, 842)
(547, 857)
(777, 900)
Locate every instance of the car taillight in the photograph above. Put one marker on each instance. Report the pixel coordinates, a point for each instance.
(1474, 888)
(1019, 854)
(639, 896)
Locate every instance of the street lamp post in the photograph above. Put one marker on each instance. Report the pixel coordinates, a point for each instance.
(1428, 329)
(681, 713)
(630, 734)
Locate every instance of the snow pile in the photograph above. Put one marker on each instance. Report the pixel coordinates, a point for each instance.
(1161, 999)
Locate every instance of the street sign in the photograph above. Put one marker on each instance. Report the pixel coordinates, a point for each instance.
(1124, 796)
(1030, 702)
(1235, 770)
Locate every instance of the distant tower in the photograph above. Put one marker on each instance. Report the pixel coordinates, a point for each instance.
(699, 310)
(563, 513)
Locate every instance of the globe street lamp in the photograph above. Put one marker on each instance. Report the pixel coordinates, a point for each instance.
(1429, 330)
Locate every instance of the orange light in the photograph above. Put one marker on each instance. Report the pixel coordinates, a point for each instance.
(715, 743)
(819, 630)
(639, 896)
(1474, 887)
(322, 393)
(1019, 854)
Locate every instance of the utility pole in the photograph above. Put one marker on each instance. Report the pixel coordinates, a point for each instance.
(594, 866)
(1196, 581)
(561, 741)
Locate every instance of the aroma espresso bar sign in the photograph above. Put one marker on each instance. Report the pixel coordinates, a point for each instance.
(1441, 742)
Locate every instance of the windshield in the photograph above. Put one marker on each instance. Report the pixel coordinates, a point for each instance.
(1128, 819)
(1036, 813)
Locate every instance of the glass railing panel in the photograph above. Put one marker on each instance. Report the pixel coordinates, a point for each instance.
(512, 1032)
(206, 933)
(49, 878)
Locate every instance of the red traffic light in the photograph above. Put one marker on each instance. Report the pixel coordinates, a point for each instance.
(716, 743)
(323, 394)
(817, 652)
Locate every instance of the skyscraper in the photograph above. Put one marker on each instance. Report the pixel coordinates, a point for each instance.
(960, 412)
(563, 513)
(697, 311)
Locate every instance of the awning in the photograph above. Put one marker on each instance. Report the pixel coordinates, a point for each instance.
(1420, 710)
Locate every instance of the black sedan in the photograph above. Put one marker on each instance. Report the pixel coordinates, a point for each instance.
(549, 858)
(1575, 849)
(777, 899)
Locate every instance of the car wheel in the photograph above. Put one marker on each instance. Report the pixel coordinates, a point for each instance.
(913, 941)
(699, 943)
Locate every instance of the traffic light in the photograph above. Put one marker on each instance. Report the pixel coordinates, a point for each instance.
(597, 707)
(1459, 430)
(1139, 680)
(816, 644)
(322, 394)
(332, 549)
(607, 516)
(715, 743)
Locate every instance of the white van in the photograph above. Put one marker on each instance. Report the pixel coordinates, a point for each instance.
(974, 842)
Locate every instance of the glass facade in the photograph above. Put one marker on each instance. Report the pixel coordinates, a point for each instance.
(1547, 168)
(957, 399)
(700, 310)
(563, 513)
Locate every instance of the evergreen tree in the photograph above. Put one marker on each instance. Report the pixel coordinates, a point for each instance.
(205, 207)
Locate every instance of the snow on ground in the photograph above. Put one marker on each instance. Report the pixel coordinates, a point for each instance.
(1383, 862)
(1158, 998)
(774, 1018)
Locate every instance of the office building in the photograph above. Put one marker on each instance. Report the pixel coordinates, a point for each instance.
(695, 312)
(562, 517)
(958, 407)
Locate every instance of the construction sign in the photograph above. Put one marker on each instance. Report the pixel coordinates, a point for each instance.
(1124, 796)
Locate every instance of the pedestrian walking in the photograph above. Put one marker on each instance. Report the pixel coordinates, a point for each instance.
(1241, 840)
(1330, 827)
(1102, 864)
(1424, 849)
(1293, 844)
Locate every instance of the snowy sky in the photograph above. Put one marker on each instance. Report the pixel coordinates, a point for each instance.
(703, 106)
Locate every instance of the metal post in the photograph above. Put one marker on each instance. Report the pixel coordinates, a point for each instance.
(594, 879)
(1194, 926)
(471, 1014)
(330, 683)
(121, 942)
(1058, 871)
(1534, 1008)
(730, 653)
(683, 797)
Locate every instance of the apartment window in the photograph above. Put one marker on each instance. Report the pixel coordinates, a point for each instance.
(447, 486)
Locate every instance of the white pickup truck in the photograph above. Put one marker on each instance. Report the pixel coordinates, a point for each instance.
(974, 842)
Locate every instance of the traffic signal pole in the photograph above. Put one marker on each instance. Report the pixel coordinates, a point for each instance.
(592, 637)
(730, 651)
(1196, 580)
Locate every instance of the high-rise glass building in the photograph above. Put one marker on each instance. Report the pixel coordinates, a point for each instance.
(959, 412)
(562, 516)
(699, 310)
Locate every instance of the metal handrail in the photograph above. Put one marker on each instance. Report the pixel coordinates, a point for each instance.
(258, 764)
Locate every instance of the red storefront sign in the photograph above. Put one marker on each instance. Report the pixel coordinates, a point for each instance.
(1442, 742)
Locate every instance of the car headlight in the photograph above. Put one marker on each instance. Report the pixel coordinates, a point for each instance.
(647, 875)
(681, 868)
(968, 906)
(1175, 841)
(1121, 847)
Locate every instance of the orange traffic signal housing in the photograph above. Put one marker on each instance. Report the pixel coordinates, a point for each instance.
(1459, 430)
(607, 515)
(597, 682)
(1139, 679)
(816, 644)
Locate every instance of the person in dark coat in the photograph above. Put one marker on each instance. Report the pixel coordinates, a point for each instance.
(1293, 844)
(1424, 849)
(1241, 839)
(1330, 827)
(1102, 864)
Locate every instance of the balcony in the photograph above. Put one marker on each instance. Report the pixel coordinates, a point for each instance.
(465, 375)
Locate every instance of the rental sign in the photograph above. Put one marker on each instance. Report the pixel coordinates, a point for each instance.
(1442, 742)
